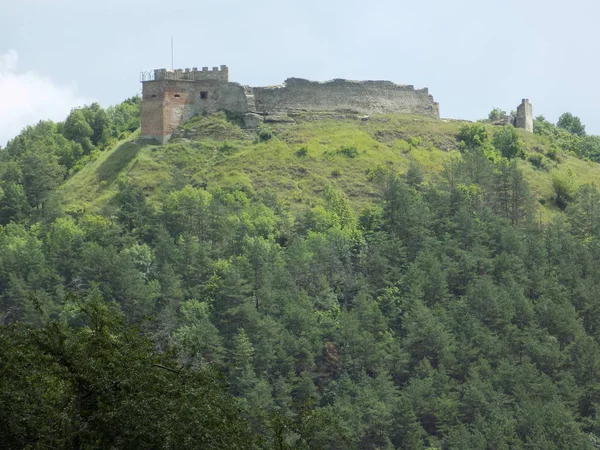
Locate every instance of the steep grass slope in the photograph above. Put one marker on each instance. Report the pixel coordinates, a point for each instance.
(295, 160)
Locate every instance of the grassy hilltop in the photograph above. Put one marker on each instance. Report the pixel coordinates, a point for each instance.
(297, 160)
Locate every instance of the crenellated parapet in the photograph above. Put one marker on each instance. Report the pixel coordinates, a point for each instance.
(220, 74)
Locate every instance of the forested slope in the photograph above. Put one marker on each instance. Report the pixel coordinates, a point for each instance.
(389, 282)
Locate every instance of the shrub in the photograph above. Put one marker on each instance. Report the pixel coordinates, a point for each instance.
(302, 152)
(227, 147)
(349, 151)
(377, 173)
(472, 136)
(589, 147)
(538, 161)
(564, 189)
(265, 134)
(542, 127)
(336, 173)
(414, 141)
(496, 114)
(507, 142)
(553, 154)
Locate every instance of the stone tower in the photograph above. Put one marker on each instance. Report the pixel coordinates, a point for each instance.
(524, 117)
(171, 97)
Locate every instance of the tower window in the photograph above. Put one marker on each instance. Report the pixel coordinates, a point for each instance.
(153, 96)
(204, 95)
(177, 95)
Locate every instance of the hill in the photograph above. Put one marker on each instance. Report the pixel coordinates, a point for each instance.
(302, 157)
(335, 282)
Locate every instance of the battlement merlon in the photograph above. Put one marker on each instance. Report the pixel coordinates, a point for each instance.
(220, 74)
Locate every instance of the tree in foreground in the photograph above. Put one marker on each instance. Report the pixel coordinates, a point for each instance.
(90, 381)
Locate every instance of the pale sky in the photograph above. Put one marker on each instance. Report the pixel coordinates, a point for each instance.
(473, 55)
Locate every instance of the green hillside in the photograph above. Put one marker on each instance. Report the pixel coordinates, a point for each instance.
(339, 282)
(300, 159)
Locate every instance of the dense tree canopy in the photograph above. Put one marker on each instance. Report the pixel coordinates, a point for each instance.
(442, 316)
(85, 380)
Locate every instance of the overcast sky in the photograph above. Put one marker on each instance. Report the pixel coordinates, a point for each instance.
(472, 54)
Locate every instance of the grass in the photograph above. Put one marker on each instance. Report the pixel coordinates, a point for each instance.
(93, 185)
(299, 160)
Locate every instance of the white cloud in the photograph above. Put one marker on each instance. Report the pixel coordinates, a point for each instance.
(28, 97)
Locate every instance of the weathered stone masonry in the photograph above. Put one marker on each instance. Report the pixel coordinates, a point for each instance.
(171, 97)
(524, 117)
(359, 96)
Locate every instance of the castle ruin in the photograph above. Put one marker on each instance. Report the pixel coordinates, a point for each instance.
(524, 116)
(171, 97)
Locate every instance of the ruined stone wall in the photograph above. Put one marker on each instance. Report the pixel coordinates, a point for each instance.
(361, 96)
(165, 105)
(524, 117)
(151, 113)
(232, 97)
